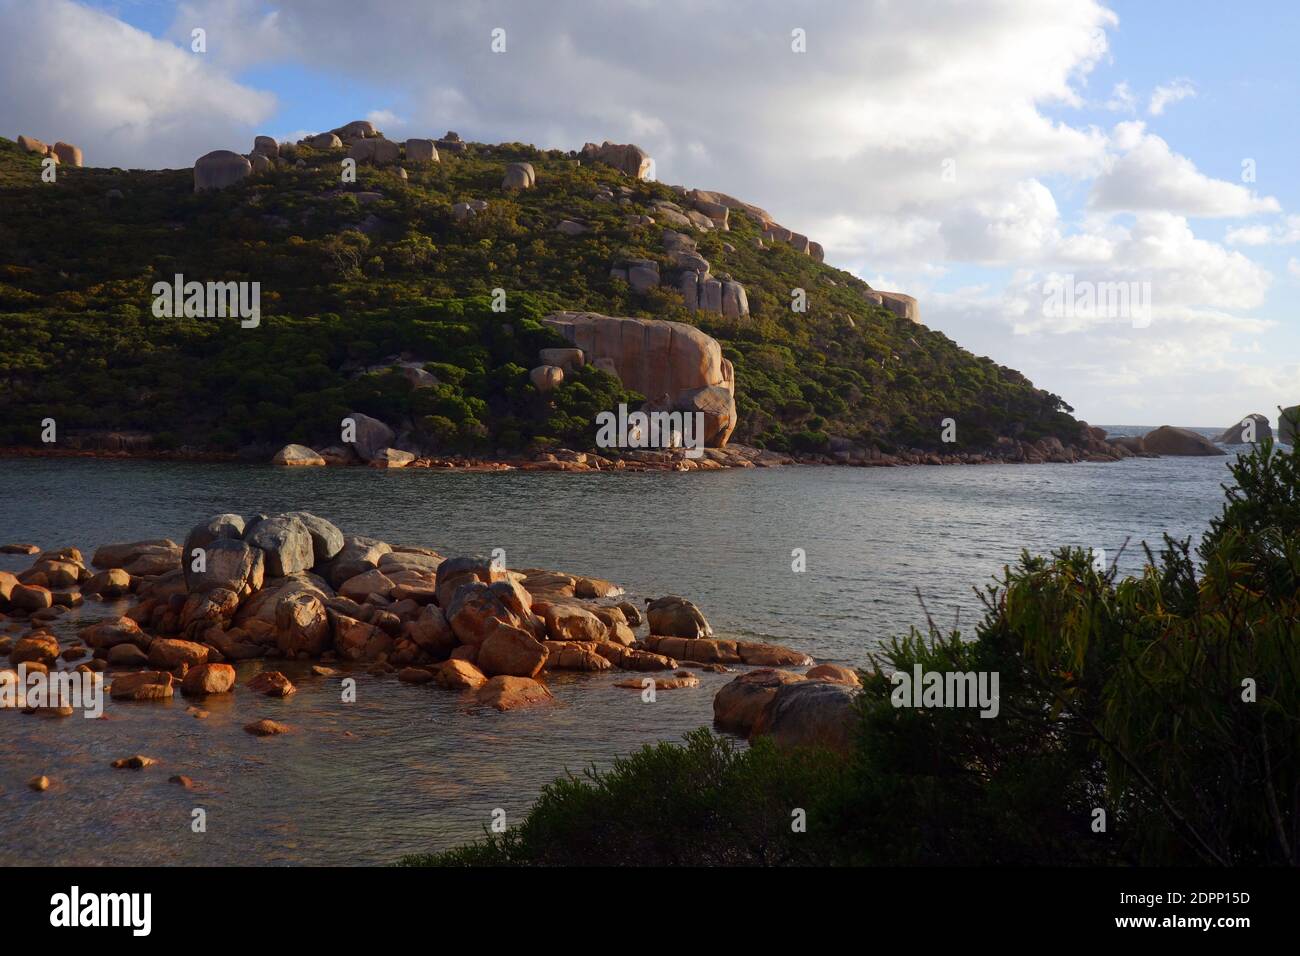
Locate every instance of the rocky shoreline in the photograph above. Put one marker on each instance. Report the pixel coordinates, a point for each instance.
(294, 587)
(734, 455)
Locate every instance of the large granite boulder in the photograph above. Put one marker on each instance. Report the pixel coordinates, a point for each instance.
(325, 141)
(739, 704)
(664, 361)
(266, 146)
(227, 563)
(219, 169)
(903, 306)
(626, 158)
(68, 154)
(139, 558)
(285, 542)
(298, 456)
(1168, 440)
(674, 616)
(371, 436)
(546, 378)
(421, 151)
(810, 713)
(718, 406)
(1235, 434)
(326, 538)
(377, 151)
(519, 176)
(357, 129)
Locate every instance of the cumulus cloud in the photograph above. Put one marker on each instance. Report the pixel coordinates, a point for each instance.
(123, 96)
(1145, 175)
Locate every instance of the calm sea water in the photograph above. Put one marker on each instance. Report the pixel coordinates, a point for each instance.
(408, 768)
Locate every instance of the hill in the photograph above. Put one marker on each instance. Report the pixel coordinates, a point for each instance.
(357, 276)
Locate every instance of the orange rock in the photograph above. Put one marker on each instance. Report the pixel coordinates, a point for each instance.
(509, 650)
(460, 675)
(146, 685)
(205, 679)
(266, 728)
(272, 684)
(508, 693)
(834, 674)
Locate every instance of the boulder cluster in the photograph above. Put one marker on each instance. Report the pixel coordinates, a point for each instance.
(65, 154)
(363, 142)
(294, 586)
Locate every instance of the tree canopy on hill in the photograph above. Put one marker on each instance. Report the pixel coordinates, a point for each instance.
(348, 281)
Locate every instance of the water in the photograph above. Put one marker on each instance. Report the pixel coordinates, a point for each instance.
(408, 768)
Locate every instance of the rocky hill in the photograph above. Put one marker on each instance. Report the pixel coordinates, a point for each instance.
(437, 292)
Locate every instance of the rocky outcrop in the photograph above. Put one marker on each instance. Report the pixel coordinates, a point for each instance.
(810, 713)
(370, 436)
(421, 151)
(903, 306)
(519, 176)
(297, 456)
(463, 211)
(1168, 440)
(324, 141)
(219, 169)
(626, 158)
(546, 378)
(739, 704)
(376, 151)
(668, 362)
(356, 130)
(451, 143)
(1236, 434)
(68, 154)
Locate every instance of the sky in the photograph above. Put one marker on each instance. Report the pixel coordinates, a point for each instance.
(1002, 161)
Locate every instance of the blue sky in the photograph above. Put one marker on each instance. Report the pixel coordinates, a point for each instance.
(1065, 165)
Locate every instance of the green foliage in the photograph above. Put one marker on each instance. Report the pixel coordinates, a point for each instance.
(1170, 700)
(351, 281)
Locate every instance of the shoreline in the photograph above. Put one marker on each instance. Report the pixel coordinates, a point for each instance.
(567, 460)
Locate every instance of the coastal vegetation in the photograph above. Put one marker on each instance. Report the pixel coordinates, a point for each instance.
(352, 274)
(1146, 720)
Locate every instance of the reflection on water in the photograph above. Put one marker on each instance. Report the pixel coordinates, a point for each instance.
(408, 768)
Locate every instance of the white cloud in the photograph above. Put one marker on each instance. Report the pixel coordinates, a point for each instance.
(124, 97)
(1170, 93)
(1284, 233)
(1122, 99)
(1145, 175)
